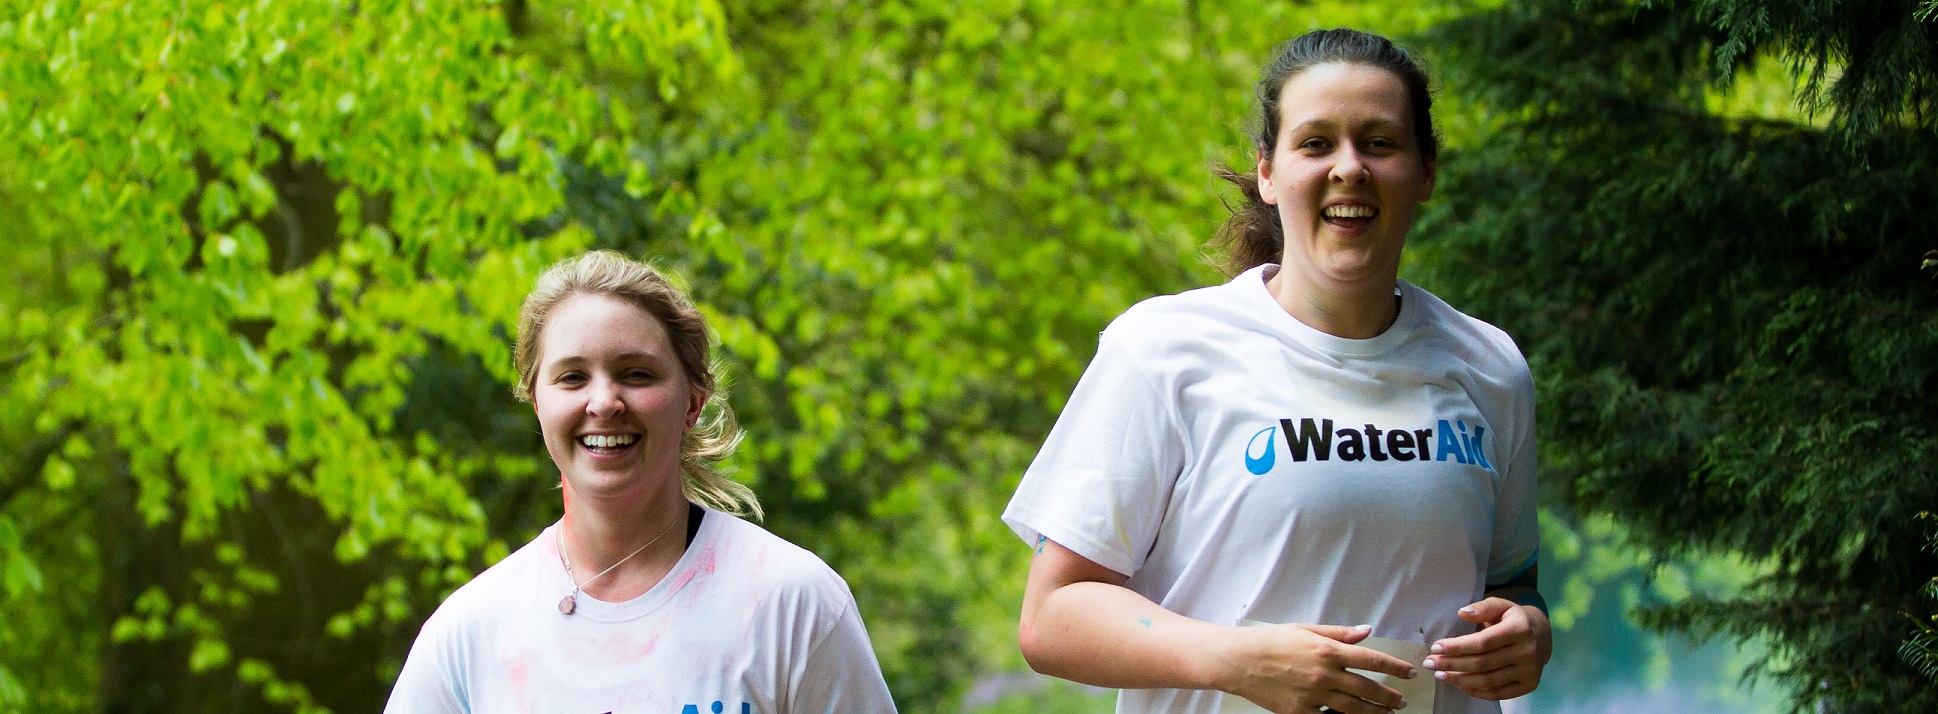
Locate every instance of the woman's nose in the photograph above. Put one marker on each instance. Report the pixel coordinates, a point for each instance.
(605, 400)
(1347, 168)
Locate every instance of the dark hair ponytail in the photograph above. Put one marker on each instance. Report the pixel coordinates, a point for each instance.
(1253, 234)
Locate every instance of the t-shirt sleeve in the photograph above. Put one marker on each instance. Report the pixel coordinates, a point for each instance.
(1102, 481)
(840, 674)
(1517, 536)
(429, 682)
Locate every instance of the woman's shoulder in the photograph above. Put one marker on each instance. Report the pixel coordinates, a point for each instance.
(1480, 338)
(1188, 315)
(767, 559)
(1190, 304)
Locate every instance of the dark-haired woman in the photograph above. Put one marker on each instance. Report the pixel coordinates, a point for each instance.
(650, 595)
(1316, 444)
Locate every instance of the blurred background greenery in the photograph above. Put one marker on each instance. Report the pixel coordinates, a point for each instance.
(265, 257)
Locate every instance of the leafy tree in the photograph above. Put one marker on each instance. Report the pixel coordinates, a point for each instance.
(240, 235)
(1734, 342)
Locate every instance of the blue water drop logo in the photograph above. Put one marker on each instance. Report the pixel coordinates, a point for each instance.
(1261, 463)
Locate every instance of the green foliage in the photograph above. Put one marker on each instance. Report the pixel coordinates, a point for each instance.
(1726, 315)
(239, 232)
(1921, 650)
(1594, 575)
(1872, 62)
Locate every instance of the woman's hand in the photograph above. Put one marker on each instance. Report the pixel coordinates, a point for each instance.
(1501, 661)
(1299, 668)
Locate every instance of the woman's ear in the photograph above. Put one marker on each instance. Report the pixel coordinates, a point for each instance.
(696, 401)
(1432, 168)
(1265, 179)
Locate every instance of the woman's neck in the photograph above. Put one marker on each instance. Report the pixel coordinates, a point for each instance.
(1354, 312)
(639, 544)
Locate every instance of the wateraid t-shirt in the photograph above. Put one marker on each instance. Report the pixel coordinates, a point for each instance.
(745, 623)
(1239, 465)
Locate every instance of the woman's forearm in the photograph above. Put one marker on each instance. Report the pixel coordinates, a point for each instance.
(1109, 636)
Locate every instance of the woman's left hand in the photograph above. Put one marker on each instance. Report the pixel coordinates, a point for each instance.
(1501, 661)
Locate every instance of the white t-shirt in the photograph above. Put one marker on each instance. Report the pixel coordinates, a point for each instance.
(1239, 465)
(746, 623)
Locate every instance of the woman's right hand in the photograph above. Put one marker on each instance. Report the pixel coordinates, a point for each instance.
(1297, 668)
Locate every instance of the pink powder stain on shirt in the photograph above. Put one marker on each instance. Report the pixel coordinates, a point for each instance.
(704, 564)
(520, 675)
(748, 619)
(626, 644)
(618, 646)
(709, 559)
(652, 643)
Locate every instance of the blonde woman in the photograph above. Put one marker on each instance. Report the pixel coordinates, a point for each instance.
(651, 594)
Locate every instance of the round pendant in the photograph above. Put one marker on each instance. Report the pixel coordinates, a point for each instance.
(567, 604)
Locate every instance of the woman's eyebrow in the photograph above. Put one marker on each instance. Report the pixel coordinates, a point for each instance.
(1310, 124)
(1380, 123)
(579, 360)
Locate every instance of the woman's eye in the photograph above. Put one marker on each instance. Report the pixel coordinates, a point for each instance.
(1313, 144)
(639, 375)
(571, 378)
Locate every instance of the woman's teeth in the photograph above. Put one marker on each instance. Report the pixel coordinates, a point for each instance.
(600, 440)
(1351, 211)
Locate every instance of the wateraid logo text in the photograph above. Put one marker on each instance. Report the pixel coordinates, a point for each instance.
(1319, 440)
(718, 708)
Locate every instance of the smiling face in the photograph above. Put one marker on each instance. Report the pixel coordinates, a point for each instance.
(612, 399)
(1346, 175)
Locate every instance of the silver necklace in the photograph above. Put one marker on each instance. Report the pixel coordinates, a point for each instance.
(570, 603)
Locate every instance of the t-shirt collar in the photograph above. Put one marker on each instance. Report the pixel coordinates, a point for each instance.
(1252, 284)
